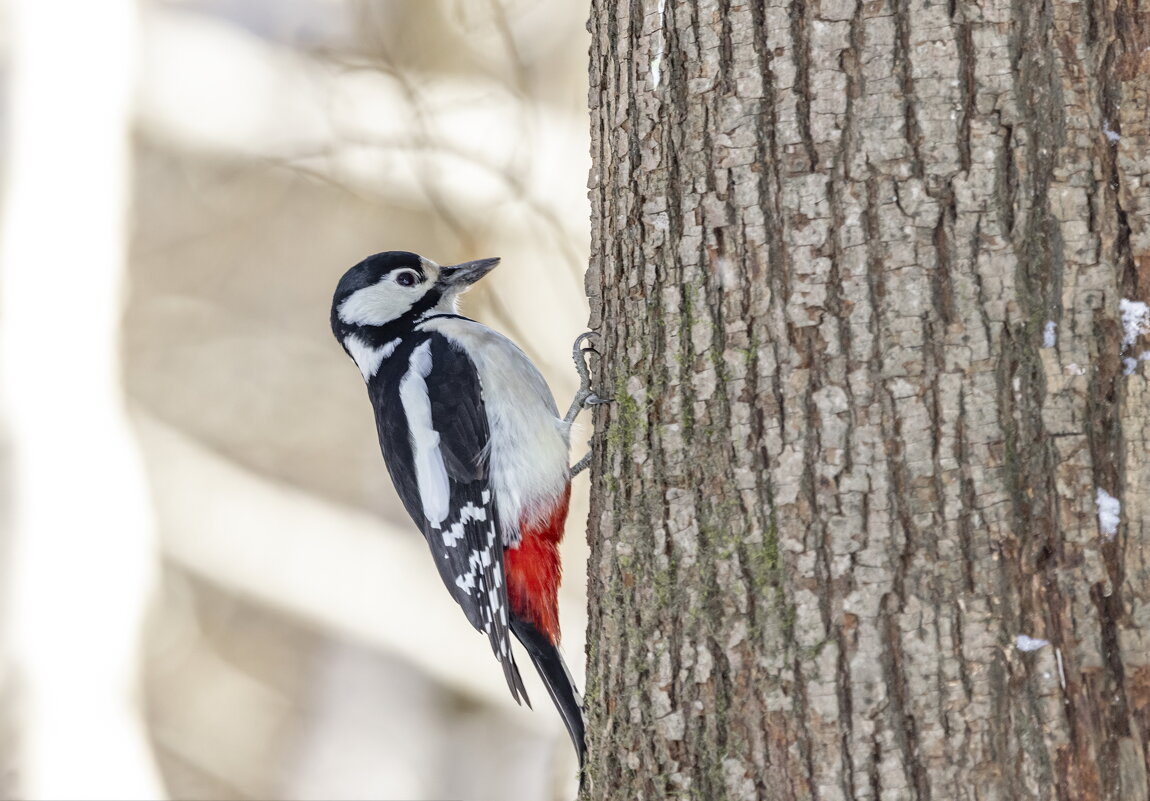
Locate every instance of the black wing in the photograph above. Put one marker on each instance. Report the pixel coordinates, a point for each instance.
(465, 543)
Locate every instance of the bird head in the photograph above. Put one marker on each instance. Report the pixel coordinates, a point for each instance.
(396, 286)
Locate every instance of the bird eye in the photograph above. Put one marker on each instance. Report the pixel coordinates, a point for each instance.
(405, 278)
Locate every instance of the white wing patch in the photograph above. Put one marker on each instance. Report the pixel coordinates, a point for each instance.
(477, 564)
(367, 358)
(453, 534)
(430, 472)
(485, 575)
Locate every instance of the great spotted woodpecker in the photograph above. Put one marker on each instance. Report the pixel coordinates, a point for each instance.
(476, 449)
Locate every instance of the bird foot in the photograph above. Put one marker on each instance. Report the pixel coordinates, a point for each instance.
(585, 397)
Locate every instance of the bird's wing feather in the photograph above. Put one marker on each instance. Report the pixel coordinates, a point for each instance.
(466, 544)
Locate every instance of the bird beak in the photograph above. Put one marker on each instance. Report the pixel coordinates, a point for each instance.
(466, 274)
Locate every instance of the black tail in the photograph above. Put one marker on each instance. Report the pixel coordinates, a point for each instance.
(553, 670)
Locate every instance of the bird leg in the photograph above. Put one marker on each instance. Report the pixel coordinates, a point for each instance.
(585, 397)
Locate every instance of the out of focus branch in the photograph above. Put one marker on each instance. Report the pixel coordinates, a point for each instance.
(81, 556)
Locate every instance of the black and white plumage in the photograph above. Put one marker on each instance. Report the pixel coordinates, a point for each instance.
(475, 447)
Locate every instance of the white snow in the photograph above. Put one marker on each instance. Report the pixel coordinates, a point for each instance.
(1111, 134)
(1109, 512)
(1025, 643)
(1050, 334)
(657, 61)
(1135, 321)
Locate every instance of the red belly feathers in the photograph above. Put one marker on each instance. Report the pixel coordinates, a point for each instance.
(533, 571)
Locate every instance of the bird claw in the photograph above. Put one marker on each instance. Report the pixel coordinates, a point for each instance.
(585, 398)
(578, 349)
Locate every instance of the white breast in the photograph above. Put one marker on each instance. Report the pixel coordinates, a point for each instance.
(528, 446)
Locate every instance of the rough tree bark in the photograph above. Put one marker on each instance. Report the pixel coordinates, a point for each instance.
(858, 268)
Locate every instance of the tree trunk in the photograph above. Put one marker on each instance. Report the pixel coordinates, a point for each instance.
(858, 268)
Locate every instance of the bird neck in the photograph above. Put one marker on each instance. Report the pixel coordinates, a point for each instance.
(433, 303)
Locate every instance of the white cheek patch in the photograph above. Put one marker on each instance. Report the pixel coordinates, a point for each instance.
(430, 472)
(367, 358)
(380, 303)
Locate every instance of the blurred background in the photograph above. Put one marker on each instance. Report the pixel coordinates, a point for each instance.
(208, 588)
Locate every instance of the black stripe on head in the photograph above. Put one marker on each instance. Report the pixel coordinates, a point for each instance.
(373, 268)
(425, 304)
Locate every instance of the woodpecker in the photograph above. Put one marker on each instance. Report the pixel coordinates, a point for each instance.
(476, 448)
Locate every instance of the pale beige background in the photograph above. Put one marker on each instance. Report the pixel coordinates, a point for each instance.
(298, 643)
